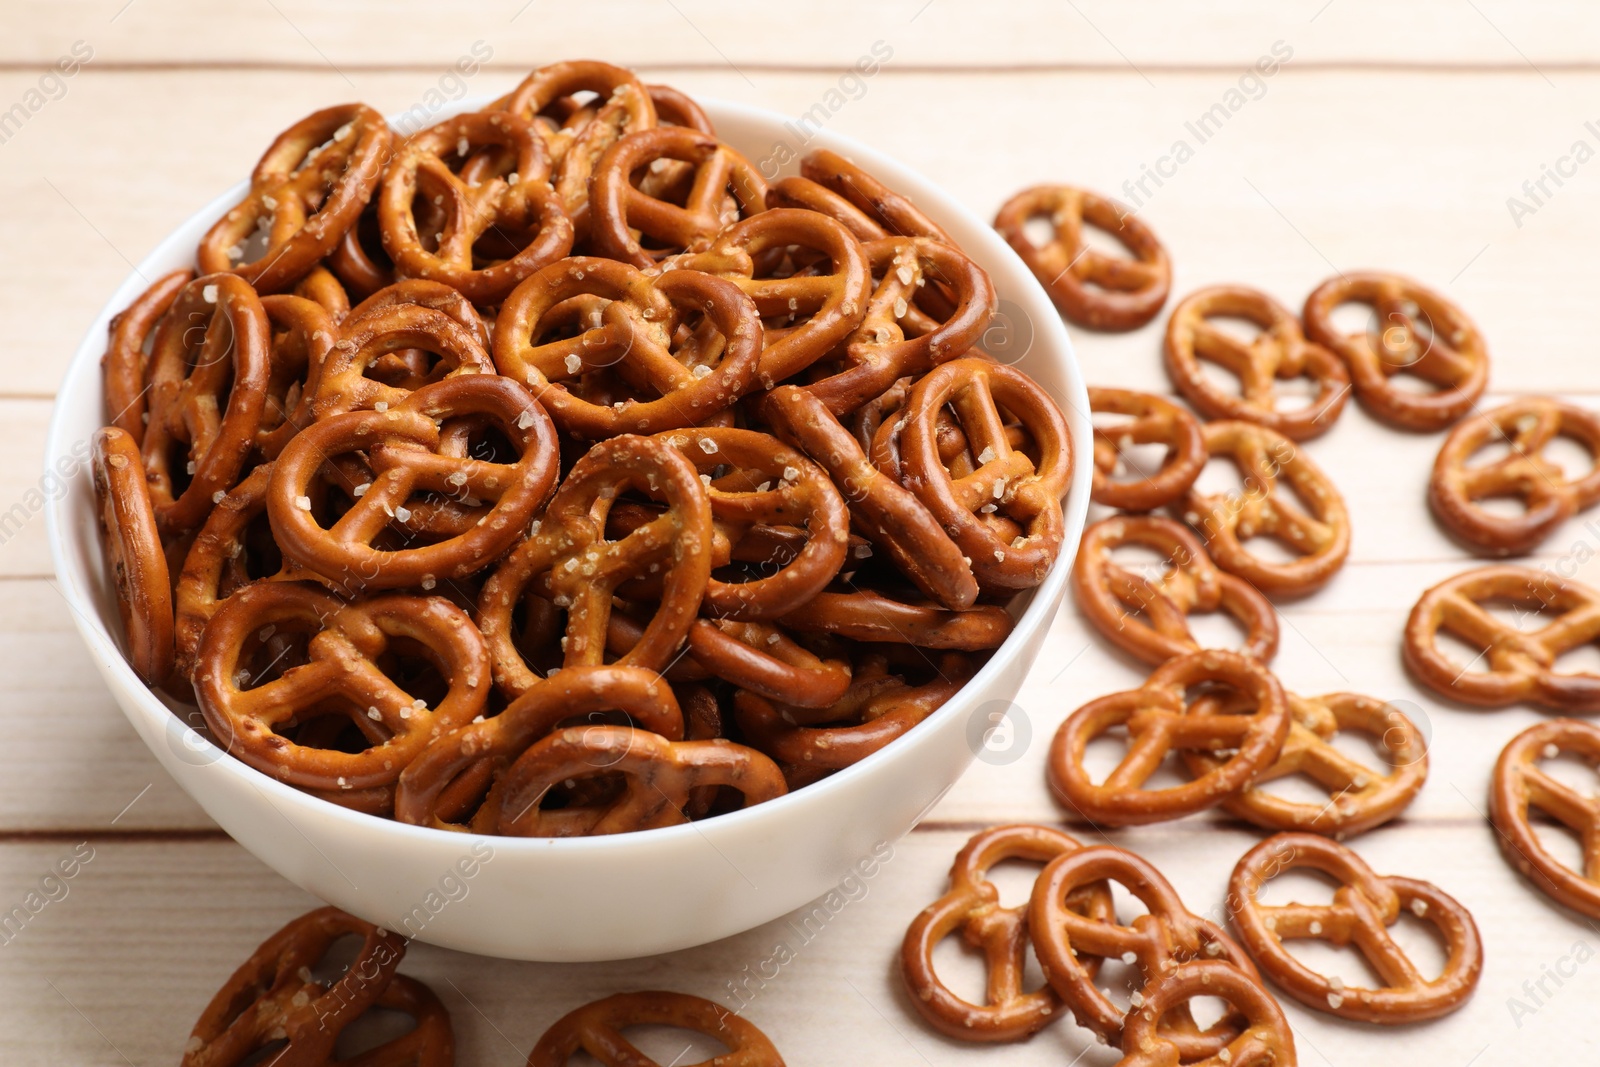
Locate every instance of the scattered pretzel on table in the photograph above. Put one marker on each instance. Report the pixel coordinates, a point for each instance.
(1520, 788)
(1267, 1039)
(1152, 420)
(1365, 905)
(597, 1029)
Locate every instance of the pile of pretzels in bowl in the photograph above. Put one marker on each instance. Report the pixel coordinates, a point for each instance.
(548, 473)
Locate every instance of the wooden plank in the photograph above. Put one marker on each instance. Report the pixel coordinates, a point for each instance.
(117, 969)
(1148, 37)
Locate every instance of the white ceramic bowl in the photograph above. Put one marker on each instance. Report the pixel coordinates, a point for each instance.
(593, 898)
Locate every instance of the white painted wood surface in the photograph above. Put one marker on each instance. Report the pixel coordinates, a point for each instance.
(1392, 138)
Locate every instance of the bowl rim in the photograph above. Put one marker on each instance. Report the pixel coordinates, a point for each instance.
(1049, 335)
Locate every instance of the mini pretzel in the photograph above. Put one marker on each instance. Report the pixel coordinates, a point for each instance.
(676, 108)
(1364, 906)
(1158, 720)
(202, 583)
(403, 449)
(1520, 787)
(597, 1030)
(832, 304)
(1012, 545)
(1148, 617)
(1266, 1041)
(208, 386)
(578, 693)
(430, 1042)
(349, 380)
(305, 193)
(798, 192)
(342, 667)
(893, 211)
(585, 567)
(658, 778)
(134, 551)
(635, 336)
(323, 288)
(1359, 798)
(1068, 944)
(359, 260)
(622, 216)
(124, 362)
(972, 906)
(1094, 290)
(1228, 521)
(1279, 352)
(1153, 420)
(890, 515)
(303, 334)
(273, 998)
(1547, 495)
(762, 658)
(864, 615)
(1520, 663)
(898, 337)
(510, 203)
(1447, 351)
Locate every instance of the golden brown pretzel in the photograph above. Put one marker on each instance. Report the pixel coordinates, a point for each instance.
(1158, 719)
(303, 334)
(1519, 664)
(799, 192)
(1519, 788)
(972, 906)
(339, 672)
(677, 108)
(307, 190)
(1227, 521)
(570, 554)
(125, 361)
(622, 216)
(893, 211)
(764, 659)
(404, 451)
(430, 1042)
(1547, 495)
(352, 375)
(1416, 332)
(1148, 617)
(274, 998)
(359, 260)
(498, 222)
(134, 552)
(1266, 1041)
(1359, 798)
(1280, 351)
(1090, 288)
(1153, 420)
(1013, 544)
(597, 1029)
(1066, 942)
(215, 565)
(868, 616)
(1364, 906)
(890, 515)
(208, 373)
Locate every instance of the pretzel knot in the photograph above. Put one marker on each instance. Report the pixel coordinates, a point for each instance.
(134, 551)
(972, 907)
(403, 450)
(692, 381)
(597, 1030)
(570, 558)
(1359, 798)
(305, 193)
(1006, 514)
(1549, 497)
(1148, 616)
(498, 219)
(719, 188)
(809, 312)
(909, 327)
(1267, 1039)
(422, 344)
(1520, 664)
(274, 1001)
(1092, 289)
(209, 366)
(1414, 331)
(1279, 352)
(1069, 945)
(1158, 719)
(1319, 539)
(125, 359)
(1364, 906)
(1152, 420)
(892, 211)
(1520, 787)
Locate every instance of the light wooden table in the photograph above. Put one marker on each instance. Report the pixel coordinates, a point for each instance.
(1392, 137)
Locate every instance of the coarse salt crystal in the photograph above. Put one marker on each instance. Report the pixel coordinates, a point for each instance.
(303, 503)
(361, 490)
(574, 363)
(402, 514)
(382, 405)
(702, 371)
(209, 294)
(707, 445)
